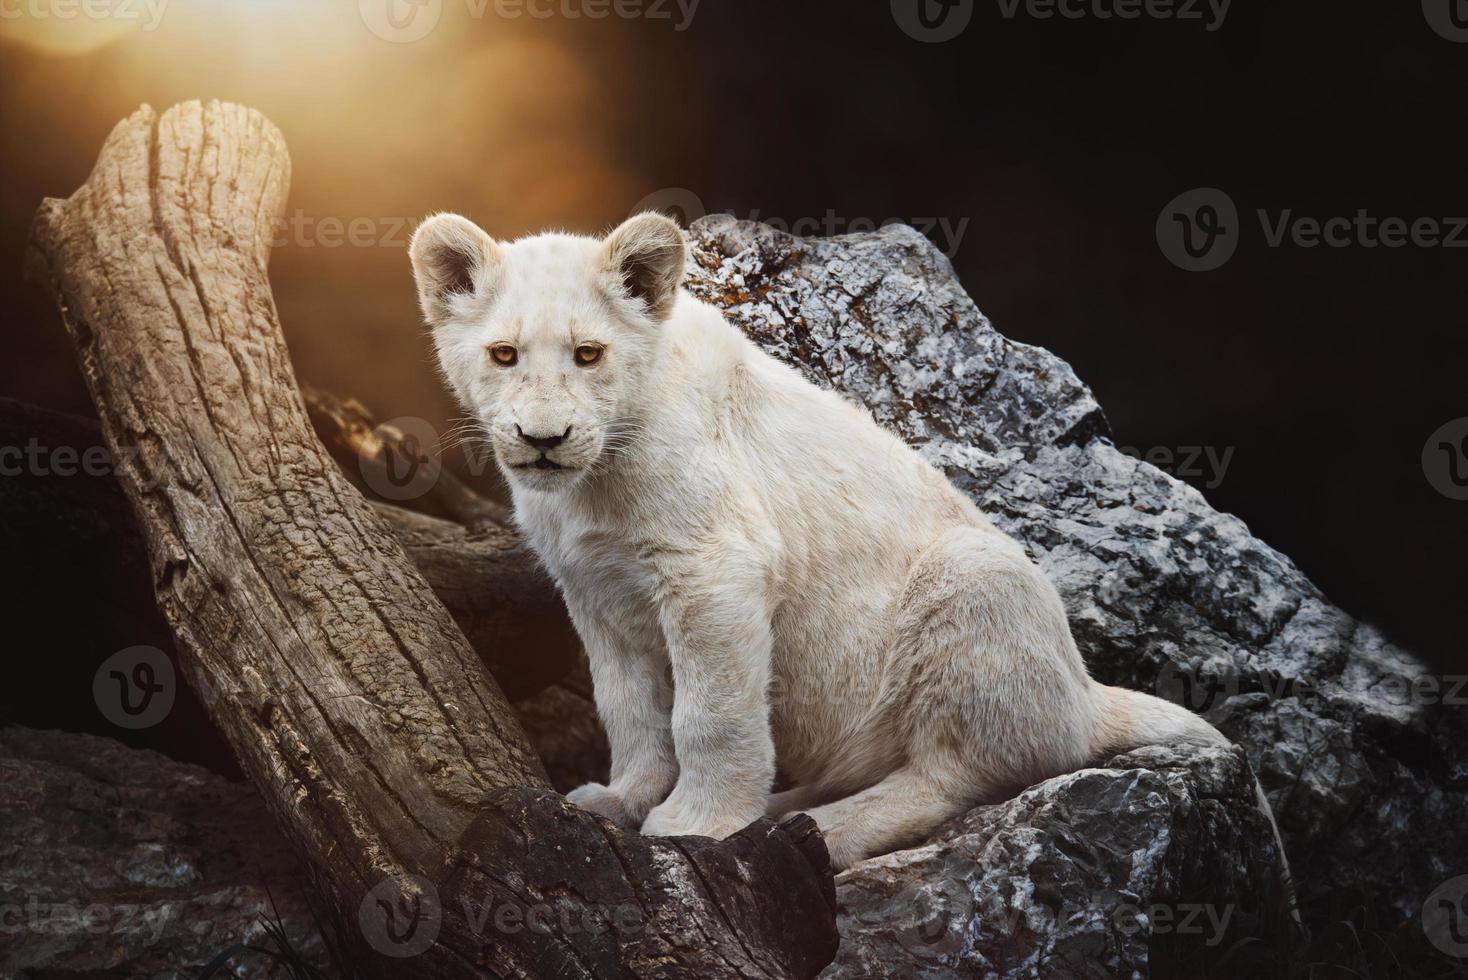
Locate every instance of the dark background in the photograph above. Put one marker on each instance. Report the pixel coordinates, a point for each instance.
(1059, 142)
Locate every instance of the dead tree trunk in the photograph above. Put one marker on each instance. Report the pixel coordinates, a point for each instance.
(349, 695)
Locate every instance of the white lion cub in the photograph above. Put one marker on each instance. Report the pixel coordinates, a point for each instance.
(722, 529)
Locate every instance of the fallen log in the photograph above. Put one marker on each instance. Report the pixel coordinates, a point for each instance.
(352, 700)
(372, 452)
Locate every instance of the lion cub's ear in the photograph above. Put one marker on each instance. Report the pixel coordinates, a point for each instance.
(451, 257)
(644, 261)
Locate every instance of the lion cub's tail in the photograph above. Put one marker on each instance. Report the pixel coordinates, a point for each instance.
(1130, 719)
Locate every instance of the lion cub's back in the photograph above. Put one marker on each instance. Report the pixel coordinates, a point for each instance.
(838, 460)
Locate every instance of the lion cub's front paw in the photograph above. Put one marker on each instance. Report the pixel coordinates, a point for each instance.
(602, 800)
(671, 820)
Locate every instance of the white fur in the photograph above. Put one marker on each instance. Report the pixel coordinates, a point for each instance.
(758, 571)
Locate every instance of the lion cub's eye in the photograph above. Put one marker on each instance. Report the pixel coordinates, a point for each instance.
(589, 354)
(504, 354)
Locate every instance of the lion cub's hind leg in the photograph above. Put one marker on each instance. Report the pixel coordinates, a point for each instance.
(897, 812)
(989, 695)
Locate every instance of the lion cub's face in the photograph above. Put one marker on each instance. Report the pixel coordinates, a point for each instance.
(547, 341)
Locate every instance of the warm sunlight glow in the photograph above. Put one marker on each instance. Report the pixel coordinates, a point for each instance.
(76, 26)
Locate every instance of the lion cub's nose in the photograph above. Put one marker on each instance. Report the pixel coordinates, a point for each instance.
(543, 442)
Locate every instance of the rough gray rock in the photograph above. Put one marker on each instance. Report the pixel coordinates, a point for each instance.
(118, 862)
(1365, 773)
(1156, 860)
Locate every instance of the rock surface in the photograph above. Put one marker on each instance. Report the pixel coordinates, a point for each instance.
(1364, 768)
(1156, 860)
(122, 863)
(119, 862)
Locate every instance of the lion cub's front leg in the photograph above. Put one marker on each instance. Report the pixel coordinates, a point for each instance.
(634, 702)
(718, 636)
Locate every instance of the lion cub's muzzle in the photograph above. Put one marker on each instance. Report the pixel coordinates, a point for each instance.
(545, 443)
